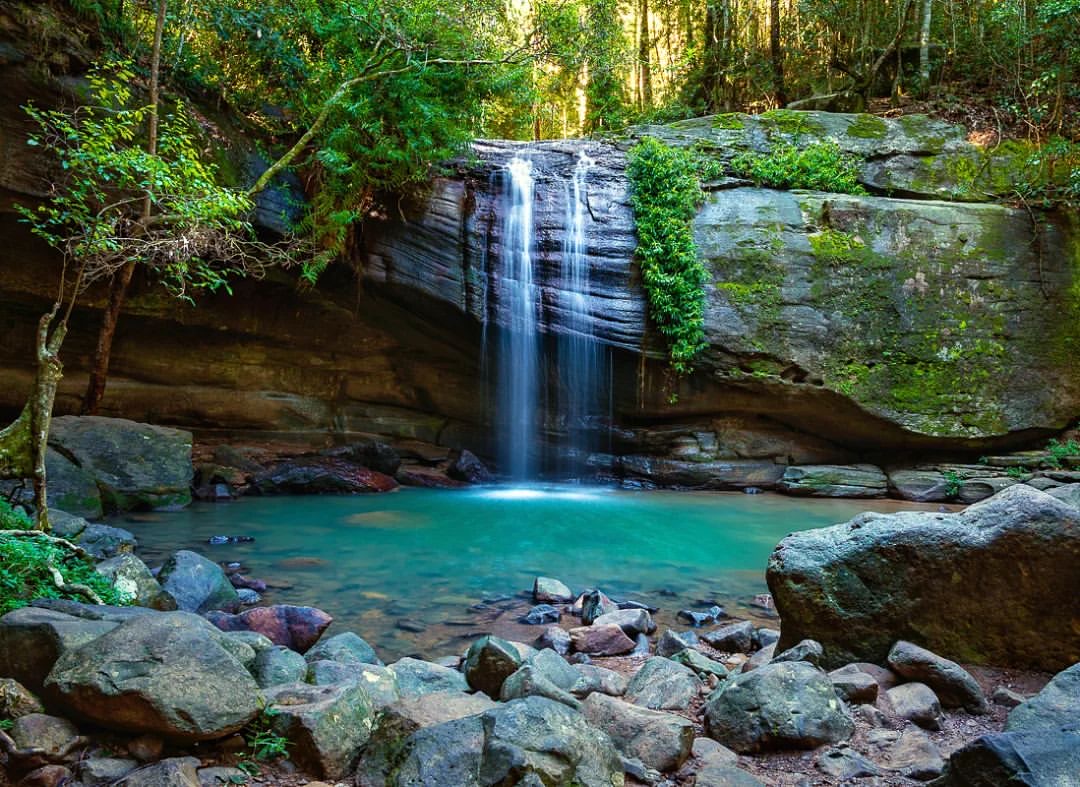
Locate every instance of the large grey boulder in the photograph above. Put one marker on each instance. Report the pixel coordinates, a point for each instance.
(198, 585)
(32, 639)
(164, 673)
(661, 684)
(974, 586)
(326, 726)
(1057, 705)
(1030, 757)
(660, 740)
(782, 705)
(953, 684)
(136, 466)
(278, 666)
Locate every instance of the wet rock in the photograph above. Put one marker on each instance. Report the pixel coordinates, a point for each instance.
(917, 703)
(16, 700)
(241, 582)
(327, 726)
(1030, 757)
(447, 753)
(733, 638)
(277, 666)
(660, 740)
(248, 598)
(133, 580)
(702, 665)
(489, 662)
(1057, 705)
(409, 624)
(465, 466)
(198, 585)
(843, 762)
(606, 640)
(554, 638)
(164, 673)
(631, 621)
(782, 705)
(373, 454)
(661, 684)
(671, 642)
(854, 685)
(415, 677)
(834, 481)
(909, 565)
(102, 771)
(531, 682)
(1006, 697)
(598, 679)
(173, 772)
(953, 684)
(32, 639)
(808, 650)
(105, 541)
(297, 628)
(764, 637)
(317, 475)
(344, 648)
(1069, 494)
(594, 604)
(914, 755)
(642, 646)
(542, 614)
(547, 591)
(55, 736)
(698, 619)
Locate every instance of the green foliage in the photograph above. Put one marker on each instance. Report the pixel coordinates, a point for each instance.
(665, 194)
(820, 166)
(6, 724)
(25, 575)
(12, 518)
(953, 482)
(1060, 451)
(262, 741)
(1016, 473)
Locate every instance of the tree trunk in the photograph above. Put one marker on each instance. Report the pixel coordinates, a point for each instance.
(776, 55)
(924, 48)
(645, 69)
(99, 370)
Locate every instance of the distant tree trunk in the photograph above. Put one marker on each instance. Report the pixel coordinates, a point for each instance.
(776, 55)
(924, 47)
(644, 67)
(99, 370)
(717, 56)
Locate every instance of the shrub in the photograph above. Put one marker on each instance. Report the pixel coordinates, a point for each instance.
(821, 166)
(12, 518)
(25, 573)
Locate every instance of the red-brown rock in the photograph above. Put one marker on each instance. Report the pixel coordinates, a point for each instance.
(297, 628)
(603, 640)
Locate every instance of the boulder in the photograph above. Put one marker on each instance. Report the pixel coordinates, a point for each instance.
(631, 621)
(173, 772)
(547, 590)
(953, 684)
(532, 682)
(554, 638)
(671, 642)
(783, 705)
(605, 640)
(972, 490)
(135, 466)
(277, 666)
(32, 639)
(854, 685)
(297, 628)
(465, 466)
(104, 771)
(732, 638)
(373, 454)
(598, 679)
(594, 604)
(55, 736)
(914, 755)
(1057, 705)
(415, 677)
(71, 488)
(808, 650)
(556, 669)
(700, 664)
(319, 475)
(196, 584)
(378, 681)
(133, 580)
(105, 541)
(845, 764)
(489, 662)
(661, 684)
(859, 587)
(447, 753)
(344, 648)
(660, 740)
(165, 673)
(326, 726)
(917, 703)
(716, 774)
(834, 481)
(1069, 494)
(1027, 757)
(920, 486)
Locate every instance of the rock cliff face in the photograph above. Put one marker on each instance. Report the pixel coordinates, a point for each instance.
(839, 328)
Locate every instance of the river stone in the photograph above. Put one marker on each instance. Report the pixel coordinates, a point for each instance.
(671, 642)
(253, 639)
(555, 668)
(660, 740)
(173, 772)
(917, 703)
(133, 580)
(490, 661)
(808, 650)
(164, 673)
(447, 753)
(845, 764)
(541, 614)
(105, 771)
(550, 591)
(1029, 757)
(415, 677)
(783, 705)
(834, 481)
(732, 638)
(531, 682)
(344, 648)
(661, 684)
(327, 726)
(915, 756)
(920, 486)
(598, 679)
(859, 587)
(465, 466)
(763, 656)
(631, 621)
(297, 628)
(136, 466)
(104, 541)
(853, 684)
(554, 638)
(54, 735)
(16, 700)
(32, 639)
(953, 684)
(717, 774)
(378, 681)
(594, 604)
(220, 776)
(605, 640)
(1057, 705)
(277, 666)
(700, 664)
(197, 584)
(1069, 494)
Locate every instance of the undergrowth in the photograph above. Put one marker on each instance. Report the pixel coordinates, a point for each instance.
(25, 575)
(821, 166)
(12, 518)
(665, 194)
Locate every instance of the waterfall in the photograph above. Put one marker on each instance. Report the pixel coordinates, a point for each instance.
(579, 353)
(519, 355)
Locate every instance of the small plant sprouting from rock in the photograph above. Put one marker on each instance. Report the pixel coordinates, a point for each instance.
(1016, 473)
(262, 740)
(953, 482)
(821, 166)
(34, 565)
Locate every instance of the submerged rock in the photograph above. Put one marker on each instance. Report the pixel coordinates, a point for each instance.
(859, 587)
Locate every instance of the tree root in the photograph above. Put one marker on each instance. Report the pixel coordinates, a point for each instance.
(63, 543)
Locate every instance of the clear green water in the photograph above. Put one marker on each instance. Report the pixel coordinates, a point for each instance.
(428, 556)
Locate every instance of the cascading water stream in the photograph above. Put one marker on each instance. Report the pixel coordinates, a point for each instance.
(519, 350)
